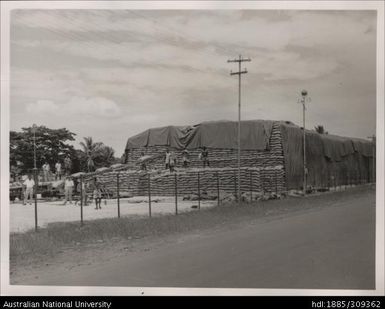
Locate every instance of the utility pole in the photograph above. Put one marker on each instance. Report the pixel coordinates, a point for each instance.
(303, 100)
(239, 73)
(35, 176)
(373, 138)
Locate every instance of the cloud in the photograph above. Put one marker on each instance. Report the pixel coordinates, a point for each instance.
(42, 107)
(95, 106)
(76, 106)
(227, 31)
(163, 65)
(139, 69)
(159, 42)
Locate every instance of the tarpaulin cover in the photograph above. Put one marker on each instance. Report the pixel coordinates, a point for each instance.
(171, 136)
(363, 147)
(336, 147)
(255, 135)
(292, 144)
(326, 156)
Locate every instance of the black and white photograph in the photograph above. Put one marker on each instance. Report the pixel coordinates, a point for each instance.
(192, 148)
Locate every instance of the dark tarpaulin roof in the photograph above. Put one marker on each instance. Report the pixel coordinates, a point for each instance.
(292, 139)
(363, 147)
(326, 154)
(340, 151)
(255, 135)
(337, 147)
(171, 136)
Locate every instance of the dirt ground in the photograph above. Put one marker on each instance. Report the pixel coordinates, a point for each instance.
(22, 217)
(82, 257)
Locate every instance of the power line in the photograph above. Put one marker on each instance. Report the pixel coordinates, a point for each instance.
(180, 34)
(81, 36)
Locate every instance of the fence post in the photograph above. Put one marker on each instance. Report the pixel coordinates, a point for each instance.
(261, 182)
(36, 187)
(337, 177)
(199, 191)
(235, 186)
(176, 193)
(128, 183)
(335, 181)
(347, 179)
(276, 182)
(314, 182)
(149, 193)
(218, 187)
(251, 185)
(342, 181)
(81, 200)
(118, 192)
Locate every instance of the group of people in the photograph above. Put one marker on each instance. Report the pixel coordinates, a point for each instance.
(29, 185)
(82, 188)
(58, 169)
(170, 158)
(170, 161)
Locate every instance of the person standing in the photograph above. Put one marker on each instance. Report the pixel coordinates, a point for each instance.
(46, 170)
(58, 170)
(28, 185)
(167, 160)
(142, 161)
(68, 189)
(97, 197)
(204, 155)
(172, 161)
(185, 158)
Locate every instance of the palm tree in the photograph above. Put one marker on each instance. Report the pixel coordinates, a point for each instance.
(107, 153)
(91, 151)
(320, 129)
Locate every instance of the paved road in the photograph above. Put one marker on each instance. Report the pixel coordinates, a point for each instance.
(327, 248)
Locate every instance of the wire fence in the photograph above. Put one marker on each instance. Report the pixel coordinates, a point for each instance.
(188, 189)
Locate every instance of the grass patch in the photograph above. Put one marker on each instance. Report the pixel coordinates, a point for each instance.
(55, 237)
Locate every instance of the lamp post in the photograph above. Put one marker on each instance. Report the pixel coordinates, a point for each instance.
(34, 127)
(303, 100)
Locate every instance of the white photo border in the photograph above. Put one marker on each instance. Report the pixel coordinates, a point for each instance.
(19, 290)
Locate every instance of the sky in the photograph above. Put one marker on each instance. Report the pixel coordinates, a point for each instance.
(111, 74)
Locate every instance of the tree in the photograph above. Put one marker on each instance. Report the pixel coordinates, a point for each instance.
(51, 146)
(107, 156)
(320, 129)
(91, 151)
(95, 155)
